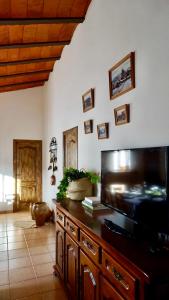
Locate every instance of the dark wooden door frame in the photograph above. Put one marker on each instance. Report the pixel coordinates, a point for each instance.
(15, 141)
(64, 134)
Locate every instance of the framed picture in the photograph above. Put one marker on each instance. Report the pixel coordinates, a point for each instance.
(121, 114)
(103, 131)
(122, 76)
(88, 100)
(88, 126)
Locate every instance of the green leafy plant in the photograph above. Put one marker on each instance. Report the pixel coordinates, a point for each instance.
(72, 174)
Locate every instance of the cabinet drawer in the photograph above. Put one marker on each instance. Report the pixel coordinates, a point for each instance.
(120, 278)
(90, 247)
(72, 229)
(60, 218)
(108, 291)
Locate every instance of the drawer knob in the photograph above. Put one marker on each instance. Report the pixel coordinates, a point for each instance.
(72, 228)
(60, 217)
(119, 277)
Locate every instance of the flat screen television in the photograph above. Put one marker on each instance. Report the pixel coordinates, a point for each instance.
(135, 184)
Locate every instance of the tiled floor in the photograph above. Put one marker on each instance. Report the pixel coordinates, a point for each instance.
(26, 261)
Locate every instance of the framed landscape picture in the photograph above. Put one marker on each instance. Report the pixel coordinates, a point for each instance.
(122, 114)
(88, 100)
(103, 131)
(88, 126)
(122, 76)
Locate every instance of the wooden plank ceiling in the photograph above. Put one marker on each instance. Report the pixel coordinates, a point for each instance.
(33, 34)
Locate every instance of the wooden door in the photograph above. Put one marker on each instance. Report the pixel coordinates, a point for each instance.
(107, 291)
(89, 278)
(27, 165)
(60, 250)
(71, 267)
(70, 148)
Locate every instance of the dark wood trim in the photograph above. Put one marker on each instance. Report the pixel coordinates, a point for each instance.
(30, 21)
(29, 61)
(41, 82)
(36, 44)
(26, 73)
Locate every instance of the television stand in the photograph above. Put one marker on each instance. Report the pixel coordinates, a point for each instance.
(117, 229)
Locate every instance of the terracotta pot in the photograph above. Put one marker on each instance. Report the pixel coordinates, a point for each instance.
(40, 212)
(79, 189)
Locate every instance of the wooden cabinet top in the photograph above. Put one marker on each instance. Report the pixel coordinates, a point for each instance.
(133, 253)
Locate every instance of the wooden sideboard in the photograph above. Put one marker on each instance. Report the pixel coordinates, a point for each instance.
(98, 264)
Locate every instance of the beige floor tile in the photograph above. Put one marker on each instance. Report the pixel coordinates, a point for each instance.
(53, 295)
(36, 243)
(3, 234)
(19, 262)
(38, 250)
(4, 278)
(48, 283)
(3, 240)
(15, 233)
(21, 274)
(23, 289)
(16, 238)
(3, 255)
(3, 247)
(41, 259)
(18, 253)
(16, 245)
(4, 292)
(44, 269)
(4, 266)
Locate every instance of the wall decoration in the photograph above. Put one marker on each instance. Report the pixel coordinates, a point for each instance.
(88, 126)
(88, 100)
(53, 159)
(122, 114)
(103, 131)
(122, 76)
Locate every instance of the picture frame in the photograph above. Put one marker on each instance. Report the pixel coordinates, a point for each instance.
(122, 76)
(103, 131)
(122, 114)
(88, 100)
(88, 126)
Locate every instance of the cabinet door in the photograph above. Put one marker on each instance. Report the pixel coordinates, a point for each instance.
(60, 250)
(71, 267)
(89, 277)
(107, 291)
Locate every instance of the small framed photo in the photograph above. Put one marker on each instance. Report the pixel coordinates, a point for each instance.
(122, 76)
(88, 100)
(103, 131)
(122, 114)
(88, 126)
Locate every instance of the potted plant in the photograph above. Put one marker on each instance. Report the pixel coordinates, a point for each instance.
(76, 184)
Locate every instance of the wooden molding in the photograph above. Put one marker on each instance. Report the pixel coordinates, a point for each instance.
(28, 61)
(36, 44)
(26, 73)
(23, 83)
(30, 21)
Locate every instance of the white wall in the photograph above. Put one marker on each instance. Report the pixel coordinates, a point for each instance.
(20, 118)
(111, 30)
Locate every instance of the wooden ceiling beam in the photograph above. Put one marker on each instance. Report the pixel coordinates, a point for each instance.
(21, 86)
(23, 83)
(33, 83)
(29, 61)
(26, 73)
(30, 21)
(36, 44)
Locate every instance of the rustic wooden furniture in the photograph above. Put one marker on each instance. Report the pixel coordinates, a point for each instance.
(32, 37)
(98, 264)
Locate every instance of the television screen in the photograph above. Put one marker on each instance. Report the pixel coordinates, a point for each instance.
(134, 182)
